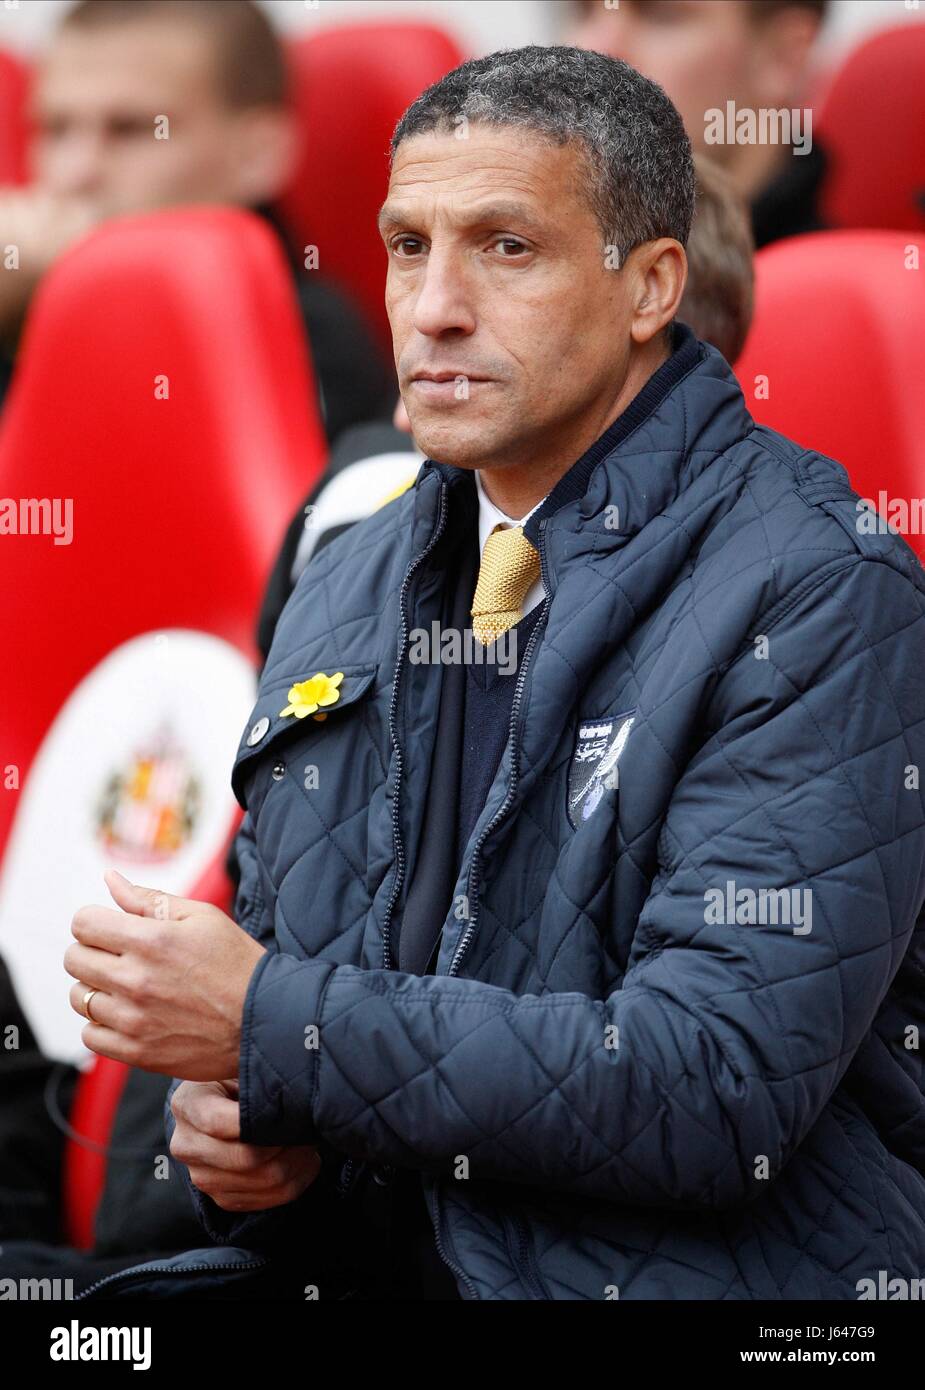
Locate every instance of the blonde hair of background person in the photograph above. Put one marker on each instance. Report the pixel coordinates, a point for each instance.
(718, 298)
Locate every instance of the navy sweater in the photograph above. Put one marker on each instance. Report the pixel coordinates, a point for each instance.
(474, 719)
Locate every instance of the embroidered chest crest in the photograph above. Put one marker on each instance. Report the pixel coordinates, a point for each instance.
(592, 770)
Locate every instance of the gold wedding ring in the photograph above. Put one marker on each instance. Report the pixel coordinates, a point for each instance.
(86, 1003)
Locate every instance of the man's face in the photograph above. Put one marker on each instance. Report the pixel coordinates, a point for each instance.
(98, 95)
(498, 284)
(702, 52)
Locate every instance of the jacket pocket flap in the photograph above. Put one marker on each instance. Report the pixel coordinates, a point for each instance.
(267, 727)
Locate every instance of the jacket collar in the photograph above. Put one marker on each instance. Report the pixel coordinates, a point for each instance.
(689, 412)
(574, 483)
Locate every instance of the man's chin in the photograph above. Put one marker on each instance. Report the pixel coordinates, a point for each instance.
(461, 446)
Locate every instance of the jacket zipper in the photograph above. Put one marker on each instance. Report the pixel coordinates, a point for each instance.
(168, 1269)
(515, 1224)
(346, 1178)
(393, 733)
(505, 806)
(524, 1265)
(441, 1248)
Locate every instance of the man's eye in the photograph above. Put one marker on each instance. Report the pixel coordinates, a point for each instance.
(50, 128)
(663, 12)
(407, 246)
(130, 128)
(509, 247)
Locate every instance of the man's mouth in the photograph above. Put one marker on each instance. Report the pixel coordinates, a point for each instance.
(446, 387)
(448, 375)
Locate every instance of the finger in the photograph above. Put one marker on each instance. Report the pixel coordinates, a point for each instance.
(288, 1170)
(108, 1042)
(208, 1111)
(101, 1010)
(218, 1156)
(107, 1010)
(105, 928)
(148, 902)
(269, 1186)
(244, 1167)
(242, 1163)
(266, 1178)
(95, 969)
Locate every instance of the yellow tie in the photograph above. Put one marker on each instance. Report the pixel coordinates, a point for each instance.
(510, 564)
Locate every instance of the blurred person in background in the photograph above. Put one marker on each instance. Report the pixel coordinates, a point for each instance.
(704, 53)
(217, 71)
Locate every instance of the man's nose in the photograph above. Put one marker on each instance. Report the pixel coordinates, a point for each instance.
(444, 301)
(76, 165)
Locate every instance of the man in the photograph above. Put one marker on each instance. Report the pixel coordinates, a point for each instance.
(707, 53)
(602, 940)
(145, 104)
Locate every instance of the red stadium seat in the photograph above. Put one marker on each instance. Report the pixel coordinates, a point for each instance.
(164, 391)
(179, 504)
(14, 88)
(872, 127)
(351, 85)
(836, 344)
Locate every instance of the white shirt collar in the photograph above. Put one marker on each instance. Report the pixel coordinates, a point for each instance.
(491, 516)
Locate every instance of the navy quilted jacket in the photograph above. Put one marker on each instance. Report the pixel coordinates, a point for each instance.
(621, 1081)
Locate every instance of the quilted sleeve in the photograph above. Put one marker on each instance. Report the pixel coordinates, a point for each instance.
(694, 1082)
(248, 898)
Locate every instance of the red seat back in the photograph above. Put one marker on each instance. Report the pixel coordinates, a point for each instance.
(872, 127)
(178, 503)
(14, 89)
(351, 84)
(163, 388)
(836, 346)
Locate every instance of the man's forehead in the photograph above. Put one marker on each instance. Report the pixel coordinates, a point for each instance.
(509, 170)
(131, 65)
(471, 147)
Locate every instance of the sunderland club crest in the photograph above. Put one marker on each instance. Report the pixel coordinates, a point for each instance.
(149, 807)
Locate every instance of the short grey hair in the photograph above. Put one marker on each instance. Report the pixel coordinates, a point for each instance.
(640, 169)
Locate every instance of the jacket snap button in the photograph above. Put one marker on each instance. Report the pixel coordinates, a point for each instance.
(279, 772)
(258, 731)
(383, 1175)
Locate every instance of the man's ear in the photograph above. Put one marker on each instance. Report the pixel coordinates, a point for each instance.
(263, 154)
(659, 276)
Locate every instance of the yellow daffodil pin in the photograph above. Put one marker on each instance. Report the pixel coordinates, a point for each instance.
(307, 696)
